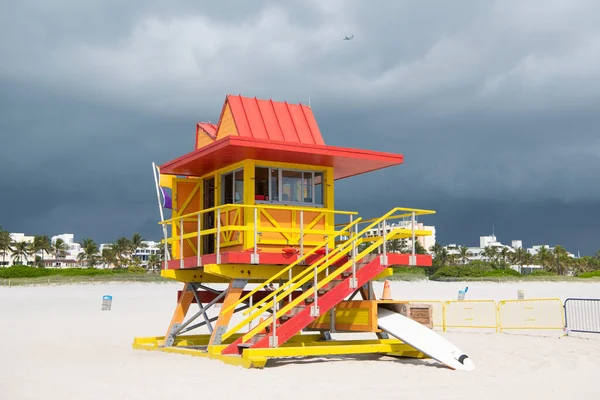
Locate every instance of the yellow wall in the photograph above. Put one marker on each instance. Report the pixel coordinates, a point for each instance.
(227, 124)
(270, 241)
(202, 138)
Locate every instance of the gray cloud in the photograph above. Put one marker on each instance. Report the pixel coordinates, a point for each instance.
(491, 102)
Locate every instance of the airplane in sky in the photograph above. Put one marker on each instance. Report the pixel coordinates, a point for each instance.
(348, 38)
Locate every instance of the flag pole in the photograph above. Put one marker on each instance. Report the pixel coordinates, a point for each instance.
(160, 210)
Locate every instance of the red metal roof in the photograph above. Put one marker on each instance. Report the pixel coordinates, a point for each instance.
(272, 120)
(231, 149)
(208, 128)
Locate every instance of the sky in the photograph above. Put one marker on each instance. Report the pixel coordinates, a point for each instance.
(492, 103)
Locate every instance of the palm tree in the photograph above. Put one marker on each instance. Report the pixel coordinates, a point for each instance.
(504, 254)
(21, 250)
(154, 262)
(519, 257)
(561, 260)
(122, 249)
(5, 243)
(490, 253)
(59, 248)
(419, 249)
(464, 254)
(543, 256)
(528, 258)
(109, 257)
(395, 246)
(137, 242)
(41, 243)
(90, 252)
(440, 254)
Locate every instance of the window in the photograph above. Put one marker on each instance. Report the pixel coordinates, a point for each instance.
(232, 187)
(291, 186)
(261, 184)
(288, 186)
(318, 187)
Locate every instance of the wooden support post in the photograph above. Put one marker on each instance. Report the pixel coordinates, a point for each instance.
(365, 293)
(183, 305)
(234, 292)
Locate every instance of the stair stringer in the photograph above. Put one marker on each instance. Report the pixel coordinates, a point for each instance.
(325, 302)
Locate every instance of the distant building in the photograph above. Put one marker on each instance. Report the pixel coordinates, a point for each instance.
(426, 241)
(536, 249)
(48, 258)
(73, 248)
(141, 253)
(478, 253)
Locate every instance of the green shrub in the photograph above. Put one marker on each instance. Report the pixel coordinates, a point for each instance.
(474, 269)
(23, 271)
(81, 272)
(502, 272)
(591, 274)
(541, 272)
(409, 270)
(134, 269)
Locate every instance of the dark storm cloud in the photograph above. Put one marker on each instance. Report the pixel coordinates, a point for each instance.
(492, 103)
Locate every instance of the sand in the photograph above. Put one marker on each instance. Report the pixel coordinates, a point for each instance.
(57, 344)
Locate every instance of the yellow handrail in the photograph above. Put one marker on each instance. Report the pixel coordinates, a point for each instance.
(259, 206)
(304, 295)
(341, 250)
(243, 228)
(281, 272)
(416, 211)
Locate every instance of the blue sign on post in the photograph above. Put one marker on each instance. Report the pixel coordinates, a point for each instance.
(106, 302)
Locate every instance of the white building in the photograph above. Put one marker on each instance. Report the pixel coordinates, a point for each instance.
(426, 241)
(533, 250)
(73, 248)
(49, 259)
(141, 253)
(477, 253)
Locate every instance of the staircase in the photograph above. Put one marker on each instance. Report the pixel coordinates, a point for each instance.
(301, 315)
(326, 288)
(333, 287)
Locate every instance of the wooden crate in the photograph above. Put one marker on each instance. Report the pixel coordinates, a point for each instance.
(422, 313)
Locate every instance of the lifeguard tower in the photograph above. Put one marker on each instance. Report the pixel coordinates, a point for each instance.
(254, 228)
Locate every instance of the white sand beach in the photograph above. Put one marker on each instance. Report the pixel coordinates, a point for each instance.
(56, 343)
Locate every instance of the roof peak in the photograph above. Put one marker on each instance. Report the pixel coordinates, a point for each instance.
(272, 120)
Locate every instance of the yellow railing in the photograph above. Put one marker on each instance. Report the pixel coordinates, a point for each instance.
(299, 261)
(319, 267)
(218, 230)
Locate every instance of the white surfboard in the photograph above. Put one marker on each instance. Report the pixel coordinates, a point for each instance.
(423, 339)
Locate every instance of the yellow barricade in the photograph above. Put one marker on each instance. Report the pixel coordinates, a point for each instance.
(531, 314)
(480, 314)
(437, 309)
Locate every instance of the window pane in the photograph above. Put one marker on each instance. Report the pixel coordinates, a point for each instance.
(318, 188)
(307, 187)
(227, 189)
(292, 186)
(239, 186)
(274, 195)
(261, 183)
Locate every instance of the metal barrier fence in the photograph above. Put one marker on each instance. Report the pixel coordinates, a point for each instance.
(479, 314)
(528, 314)
(582, 315)
(531, 314)
(437, 308)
